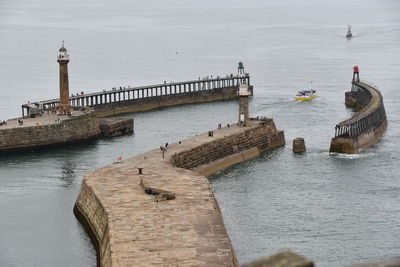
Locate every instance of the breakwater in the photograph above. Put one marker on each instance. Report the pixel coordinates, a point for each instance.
(366, 126)
(109, 103)
(133, 99)
(48, 130)
(130, 226)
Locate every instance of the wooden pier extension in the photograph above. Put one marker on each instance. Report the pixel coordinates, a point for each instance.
(124, 100)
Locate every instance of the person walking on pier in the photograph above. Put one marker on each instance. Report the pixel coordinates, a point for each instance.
(163, 150)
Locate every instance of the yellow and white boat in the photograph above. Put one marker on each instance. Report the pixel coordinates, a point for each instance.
(306, 94)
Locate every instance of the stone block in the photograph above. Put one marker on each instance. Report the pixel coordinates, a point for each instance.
(299, 145)
(283, 259)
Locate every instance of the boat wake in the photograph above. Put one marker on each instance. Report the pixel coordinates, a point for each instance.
(351, 156)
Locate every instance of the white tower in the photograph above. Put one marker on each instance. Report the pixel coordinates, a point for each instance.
(243, 94)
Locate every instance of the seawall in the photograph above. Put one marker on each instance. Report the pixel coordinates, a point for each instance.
(144, 104)
(365, 128)
(131, 227)
(49, 130)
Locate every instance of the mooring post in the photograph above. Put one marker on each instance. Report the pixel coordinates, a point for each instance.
(298, 145)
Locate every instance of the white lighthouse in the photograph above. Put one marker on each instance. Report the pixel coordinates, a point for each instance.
(243, 94)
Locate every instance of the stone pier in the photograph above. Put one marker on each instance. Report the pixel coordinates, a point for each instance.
(168, 215)
(133, 99)
(48, 129)
(365, 127)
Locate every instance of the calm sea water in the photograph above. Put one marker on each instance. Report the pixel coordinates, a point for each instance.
(334, 209)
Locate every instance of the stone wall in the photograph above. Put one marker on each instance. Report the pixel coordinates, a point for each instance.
(115, 126)
(129, 227)
(358, 100)
(72, 130)
(263, 137)
(366, 126)
(144, 104)
(92, 214)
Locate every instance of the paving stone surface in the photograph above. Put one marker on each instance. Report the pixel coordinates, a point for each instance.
(45, 119)
(185, 231)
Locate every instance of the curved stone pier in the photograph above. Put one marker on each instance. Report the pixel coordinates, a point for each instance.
(366, 126)
(168, 215)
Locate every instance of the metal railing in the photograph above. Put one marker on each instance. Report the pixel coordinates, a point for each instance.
(143, 92)
(372, 115)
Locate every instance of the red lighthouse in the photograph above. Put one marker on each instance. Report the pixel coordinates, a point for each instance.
(356, 74)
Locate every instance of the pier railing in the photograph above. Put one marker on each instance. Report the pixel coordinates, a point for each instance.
(151, 91)
(371, 116)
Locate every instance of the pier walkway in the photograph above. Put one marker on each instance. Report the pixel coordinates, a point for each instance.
(144, 94)
(46, 118)
(130, 227)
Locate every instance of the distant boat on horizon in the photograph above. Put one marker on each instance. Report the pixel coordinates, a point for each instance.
(349, 34)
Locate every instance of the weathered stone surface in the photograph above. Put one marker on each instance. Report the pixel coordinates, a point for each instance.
(48, 130)
(283, 259)
(262, 135)
(115, 126)
(299, 145)
(129, 228)
(64, 84)
(159, 194)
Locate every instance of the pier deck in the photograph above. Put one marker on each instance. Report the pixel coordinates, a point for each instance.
(132, 229)
(47, 130)
(132, 99)
(45, 119)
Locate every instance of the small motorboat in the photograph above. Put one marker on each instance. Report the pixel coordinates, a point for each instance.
(349, 34)
(305, 94)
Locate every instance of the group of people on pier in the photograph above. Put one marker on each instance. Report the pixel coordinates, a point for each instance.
(78, 94)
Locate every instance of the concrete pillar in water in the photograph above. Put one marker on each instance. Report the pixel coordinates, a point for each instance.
(244, 94)
(63, 60)
(298, 145)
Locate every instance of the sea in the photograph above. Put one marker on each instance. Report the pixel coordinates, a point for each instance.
(334, 209)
